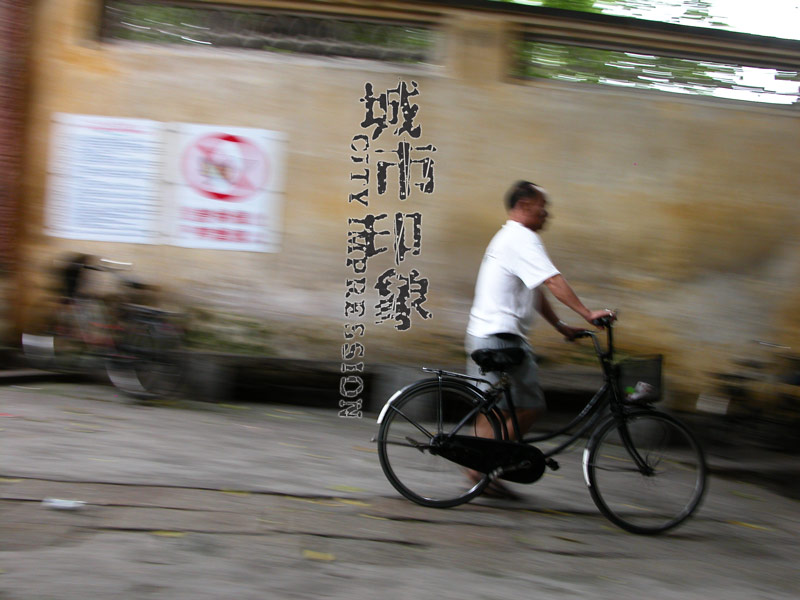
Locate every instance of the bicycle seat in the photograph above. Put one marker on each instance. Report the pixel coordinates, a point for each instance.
(498, 359)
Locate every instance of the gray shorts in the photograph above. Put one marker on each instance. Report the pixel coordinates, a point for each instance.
(525, 390)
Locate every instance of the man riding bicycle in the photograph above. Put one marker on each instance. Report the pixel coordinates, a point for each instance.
(508, 294)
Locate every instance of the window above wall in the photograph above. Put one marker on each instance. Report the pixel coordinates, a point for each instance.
(691, 47)
(265, 29)
(643, 70)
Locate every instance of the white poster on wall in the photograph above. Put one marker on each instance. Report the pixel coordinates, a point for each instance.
(226, 187)
(105, 177)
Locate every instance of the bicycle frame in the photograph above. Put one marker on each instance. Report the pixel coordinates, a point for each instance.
(608, 395)
(486, 406)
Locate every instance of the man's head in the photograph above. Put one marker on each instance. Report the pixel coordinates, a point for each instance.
(526, 203)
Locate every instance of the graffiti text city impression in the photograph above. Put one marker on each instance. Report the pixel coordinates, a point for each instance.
(388, 149)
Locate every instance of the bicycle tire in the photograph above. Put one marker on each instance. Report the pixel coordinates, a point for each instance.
(420, 476)
(662, 495)
(148, 363)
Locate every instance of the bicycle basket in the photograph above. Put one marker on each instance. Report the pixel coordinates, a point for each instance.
(640, 379)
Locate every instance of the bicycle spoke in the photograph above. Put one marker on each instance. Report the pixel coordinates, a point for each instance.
(646, 475)
(409, 443)
(413, 422)
(148, 363)
(408, 463)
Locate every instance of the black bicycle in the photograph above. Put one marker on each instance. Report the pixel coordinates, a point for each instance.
(139, 346)
(645, 470)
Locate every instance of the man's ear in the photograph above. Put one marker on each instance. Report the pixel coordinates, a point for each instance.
(523, 202)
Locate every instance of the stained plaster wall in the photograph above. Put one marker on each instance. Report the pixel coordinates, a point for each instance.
(680, 212)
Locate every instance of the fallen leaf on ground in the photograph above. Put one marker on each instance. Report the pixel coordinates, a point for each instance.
(314, 555)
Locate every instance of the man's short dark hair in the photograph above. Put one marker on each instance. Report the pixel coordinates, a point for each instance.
(520, 190)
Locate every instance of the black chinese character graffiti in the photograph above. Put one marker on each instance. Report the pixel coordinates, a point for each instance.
(404, 175)
(400, 296)
(401, 235)
(391, 108)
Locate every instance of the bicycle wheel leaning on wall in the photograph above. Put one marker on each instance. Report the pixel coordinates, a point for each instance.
(148, 362)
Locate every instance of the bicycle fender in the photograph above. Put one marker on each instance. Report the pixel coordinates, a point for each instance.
(389, 402)
(595, 432)
(586, 466)
(420, 383)
(598, 429)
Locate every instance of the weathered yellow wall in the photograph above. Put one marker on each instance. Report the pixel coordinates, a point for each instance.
(680, 212)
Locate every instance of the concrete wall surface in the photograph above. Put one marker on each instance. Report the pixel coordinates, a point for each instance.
(680, 212)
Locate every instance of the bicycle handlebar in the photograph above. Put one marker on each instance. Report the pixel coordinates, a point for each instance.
(106, 264)
(604, 321)
(583, 334)
(607, 324)
(119, 270)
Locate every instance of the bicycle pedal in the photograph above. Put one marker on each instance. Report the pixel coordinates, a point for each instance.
(525, 464)
(496, 473)
(552, 464)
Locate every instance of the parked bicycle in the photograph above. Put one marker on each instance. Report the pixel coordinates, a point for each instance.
(756, 400)
(645, 470)
(138, 346)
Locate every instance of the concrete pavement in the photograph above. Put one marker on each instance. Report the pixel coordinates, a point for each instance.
(193, 500)
(254, 380)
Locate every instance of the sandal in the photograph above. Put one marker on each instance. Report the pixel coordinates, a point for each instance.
(494, 489)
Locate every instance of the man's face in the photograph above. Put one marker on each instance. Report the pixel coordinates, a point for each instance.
(535, 209)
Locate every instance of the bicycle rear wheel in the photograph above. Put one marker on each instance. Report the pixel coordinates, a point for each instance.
(646, 472)
(408, 427)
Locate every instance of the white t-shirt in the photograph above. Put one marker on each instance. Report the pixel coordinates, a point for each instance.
(514, 265)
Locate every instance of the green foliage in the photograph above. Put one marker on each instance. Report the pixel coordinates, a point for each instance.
(590, 65)
(694, 10)
(579, 5)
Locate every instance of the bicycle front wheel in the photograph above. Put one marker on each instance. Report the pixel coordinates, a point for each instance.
(148, 364)
(646, 471)
(406, 435)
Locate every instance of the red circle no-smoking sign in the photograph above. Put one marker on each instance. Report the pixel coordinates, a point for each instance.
(224, 166)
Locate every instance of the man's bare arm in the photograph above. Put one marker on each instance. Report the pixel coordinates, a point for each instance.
(544, 307)
(562, 291)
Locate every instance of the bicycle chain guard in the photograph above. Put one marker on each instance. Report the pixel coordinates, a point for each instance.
(512, 461)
